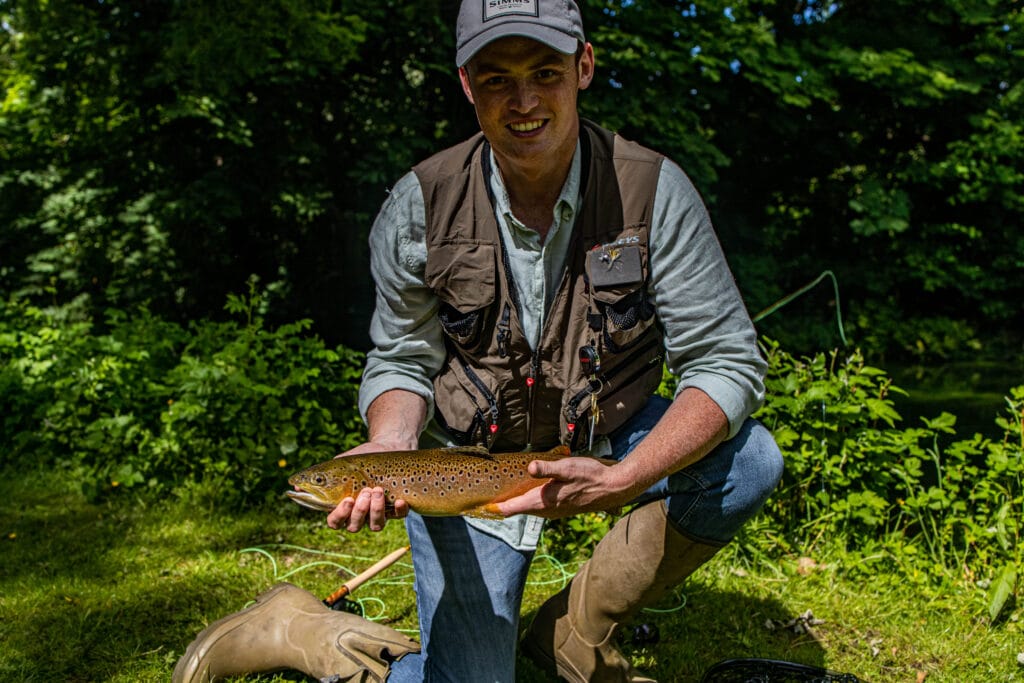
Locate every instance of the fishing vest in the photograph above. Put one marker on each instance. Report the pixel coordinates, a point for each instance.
(599, 355)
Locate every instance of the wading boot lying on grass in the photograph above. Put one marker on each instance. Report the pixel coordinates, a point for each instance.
(289, 628)
(637, 562)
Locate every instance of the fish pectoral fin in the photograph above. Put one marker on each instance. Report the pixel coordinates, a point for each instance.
(486, 511)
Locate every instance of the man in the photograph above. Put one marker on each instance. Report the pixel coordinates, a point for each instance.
(531, 281)
(498, 264)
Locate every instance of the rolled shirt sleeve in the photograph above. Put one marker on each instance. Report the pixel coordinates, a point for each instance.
(710, 342)
(407, 337)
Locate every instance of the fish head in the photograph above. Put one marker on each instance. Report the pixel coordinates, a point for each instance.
(323, 486)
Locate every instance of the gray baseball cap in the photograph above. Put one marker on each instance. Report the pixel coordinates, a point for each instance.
(556, 23)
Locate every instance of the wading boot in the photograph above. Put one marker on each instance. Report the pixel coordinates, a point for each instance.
(638, 561)
(289, 628)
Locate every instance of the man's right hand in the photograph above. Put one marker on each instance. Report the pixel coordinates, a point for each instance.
(395, 420)
(368, 507)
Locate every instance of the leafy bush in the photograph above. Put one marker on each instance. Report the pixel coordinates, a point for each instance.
(925, 497)
(152, 404)
(917, 497)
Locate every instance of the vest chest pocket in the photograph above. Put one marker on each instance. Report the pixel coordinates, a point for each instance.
(618, 281)
(462, 274)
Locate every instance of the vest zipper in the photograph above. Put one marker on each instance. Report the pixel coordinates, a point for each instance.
(492, 402)
(531, 382)
(504, 331)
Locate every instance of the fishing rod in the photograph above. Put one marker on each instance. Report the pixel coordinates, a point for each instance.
(359, 579)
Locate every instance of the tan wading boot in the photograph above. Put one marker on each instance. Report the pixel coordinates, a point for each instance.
(289, 628)
(637, 562)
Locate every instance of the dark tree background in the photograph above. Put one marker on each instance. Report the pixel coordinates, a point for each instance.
(157, 154)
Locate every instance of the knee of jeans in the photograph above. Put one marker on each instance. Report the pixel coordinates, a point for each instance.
(765, 467)
(772, 461)
(757, 470)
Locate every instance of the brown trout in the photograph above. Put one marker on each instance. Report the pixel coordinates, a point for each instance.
(436, 482)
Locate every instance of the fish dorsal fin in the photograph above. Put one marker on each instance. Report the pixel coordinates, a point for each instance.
(475, 451)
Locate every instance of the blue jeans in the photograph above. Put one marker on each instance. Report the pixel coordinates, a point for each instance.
(469, 585)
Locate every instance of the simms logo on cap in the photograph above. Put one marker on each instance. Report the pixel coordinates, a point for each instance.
(499, 8)
(555, 23)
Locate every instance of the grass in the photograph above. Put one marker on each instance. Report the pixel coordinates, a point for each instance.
(115, 591)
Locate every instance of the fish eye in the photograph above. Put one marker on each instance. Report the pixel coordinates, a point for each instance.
(319, 479)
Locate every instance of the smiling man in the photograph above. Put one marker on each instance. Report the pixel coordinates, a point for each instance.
(532, 281)
(525, 97)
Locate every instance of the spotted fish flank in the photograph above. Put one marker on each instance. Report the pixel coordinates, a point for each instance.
(436, 482)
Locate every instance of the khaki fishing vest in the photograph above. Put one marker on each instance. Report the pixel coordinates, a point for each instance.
(600, 339)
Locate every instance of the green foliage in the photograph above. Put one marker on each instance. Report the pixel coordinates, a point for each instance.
(233, 407)
(936, 506)
(571, 537)
(932, 501)
(155, 154)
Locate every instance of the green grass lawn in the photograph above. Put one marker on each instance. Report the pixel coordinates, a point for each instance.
(115, 592)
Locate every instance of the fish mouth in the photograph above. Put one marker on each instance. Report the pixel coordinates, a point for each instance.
(310, 500)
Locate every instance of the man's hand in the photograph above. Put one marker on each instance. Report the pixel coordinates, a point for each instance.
(689, 429)
(395, 420)
(368, 507)
(577, 485)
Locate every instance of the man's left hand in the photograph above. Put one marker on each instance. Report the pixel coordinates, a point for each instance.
(576, 485)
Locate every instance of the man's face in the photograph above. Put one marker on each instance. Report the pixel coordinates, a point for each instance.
(525, 96)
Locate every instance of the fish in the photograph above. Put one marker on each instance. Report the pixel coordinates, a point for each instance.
(438, 482)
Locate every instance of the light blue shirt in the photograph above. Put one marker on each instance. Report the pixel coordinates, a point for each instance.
(709, 340)
(537, 267)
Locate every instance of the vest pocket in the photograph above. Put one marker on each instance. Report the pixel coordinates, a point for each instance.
(637, 382)
(466, 404)
(621, 390)
(463, 328)
(462, 276)
(626, 315)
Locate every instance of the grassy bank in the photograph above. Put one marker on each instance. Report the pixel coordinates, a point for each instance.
(115, 591)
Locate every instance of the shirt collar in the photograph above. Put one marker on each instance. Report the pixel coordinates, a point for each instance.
(568, 199)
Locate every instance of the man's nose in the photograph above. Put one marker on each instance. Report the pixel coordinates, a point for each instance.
(524, 97)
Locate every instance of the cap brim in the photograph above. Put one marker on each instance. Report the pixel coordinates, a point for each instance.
(551, 37)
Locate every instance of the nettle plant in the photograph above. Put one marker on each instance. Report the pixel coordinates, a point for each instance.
(917, 497)
(933, 501)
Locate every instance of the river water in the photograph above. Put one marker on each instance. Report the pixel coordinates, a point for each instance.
(974, 392)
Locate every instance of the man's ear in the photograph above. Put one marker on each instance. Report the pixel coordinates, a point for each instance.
(464, 78)
(585, 66)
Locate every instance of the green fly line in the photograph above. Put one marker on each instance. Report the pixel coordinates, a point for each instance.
(375, 608)
(803, 290)
(372, 607)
